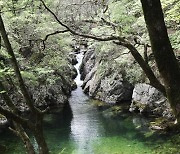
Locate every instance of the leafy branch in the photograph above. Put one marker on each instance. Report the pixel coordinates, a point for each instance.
(119, 41)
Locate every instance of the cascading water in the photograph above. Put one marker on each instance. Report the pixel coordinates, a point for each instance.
(85, 124)
(88, 131)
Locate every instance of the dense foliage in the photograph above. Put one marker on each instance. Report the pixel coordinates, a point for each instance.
(42, 44)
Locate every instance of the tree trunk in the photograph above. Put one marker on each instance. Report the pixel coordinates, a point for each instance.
(36, 128)
(24, 137)
(39, 136)
(10, 51)
(163, 52)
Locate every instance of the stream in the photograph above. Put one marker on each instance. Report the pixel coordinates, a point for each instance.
(82, 129)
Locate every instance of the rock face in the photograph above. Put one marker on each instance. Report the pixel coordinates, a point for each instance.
(51, 89)
(103, 81)
(88, 63)
(72, 59)
(149, 101)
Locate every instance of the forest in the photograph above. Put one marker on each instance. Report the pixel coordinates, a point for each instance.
(89, 76)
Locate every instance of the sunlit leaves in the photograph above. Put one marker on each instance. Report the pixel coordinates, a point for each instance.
(6, 71)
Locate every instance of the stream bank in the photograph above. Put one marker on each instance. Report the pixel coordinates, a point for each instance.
(49, 86)
(83, 128)
(108, 81)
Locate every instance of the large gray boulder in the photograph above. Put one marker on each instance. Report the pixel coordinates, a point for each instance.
(105, 83)
(149, 101)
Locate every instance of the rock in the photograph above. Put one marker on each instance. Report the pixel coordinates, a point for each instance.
(72, 59)
(88, 63)
(87, 81)
(111, 89)
(156, 128)
(50, 89)
(102, 79)
(107, 84)
(149, 101)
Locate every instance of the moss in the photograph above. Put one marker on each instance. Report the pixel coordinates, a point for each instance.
(139, 105)
(172, 146)
(1, 116)
(161, 123)
(98, 103)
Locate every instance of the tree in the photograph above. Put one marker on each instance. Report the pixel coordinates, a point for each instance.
(164, 56)
(20, 122)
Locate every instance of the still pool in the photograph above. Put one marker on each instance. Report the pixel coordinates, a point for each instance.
(82, 129)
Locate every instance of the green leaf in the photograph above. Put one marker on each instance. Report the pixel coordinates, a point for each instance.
(2, 92)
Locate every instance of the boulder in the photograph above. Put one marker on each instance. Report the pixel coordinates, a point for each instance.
(105, 83)
(111, 89)
(88, 63)
(149, 101)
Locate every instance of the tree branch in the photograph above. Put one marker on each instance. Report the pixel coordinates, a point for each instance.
(119, 41)
(108, 38)
(10, 115)
(145, 66)
(6, 98)
(50, 34)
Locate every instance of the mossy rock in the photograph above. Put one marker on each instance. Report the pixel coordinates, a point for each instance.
(98, 103)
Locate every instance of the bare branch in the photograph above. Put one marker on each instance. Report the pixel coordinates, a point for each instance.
(113, 25)
(108, 38)
(50, 34)
(146, 68)
(119, 41)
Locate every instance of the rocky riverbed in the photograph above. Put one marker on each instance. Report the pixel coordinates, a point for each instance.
(104, 80)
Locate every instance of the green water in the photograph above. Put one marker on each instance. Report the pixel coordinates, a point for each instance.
(83, 129)
(87, 131)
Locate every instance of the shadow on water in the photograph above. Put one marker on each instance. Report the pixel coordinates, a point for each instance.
(82, 129)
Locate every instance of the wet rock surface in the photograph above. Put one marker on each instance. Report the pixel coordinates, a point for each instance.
(149, 101)
(88, 63)
(103, 81)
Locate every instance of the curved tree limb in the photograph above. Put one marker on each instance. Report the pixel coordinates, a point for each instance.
(11, 115)
(107, 38)
(119, 41)
(50, 34)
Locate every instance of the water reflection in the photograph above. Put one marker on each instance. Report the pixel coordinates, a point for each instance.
(82, 129)
(85, 125)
